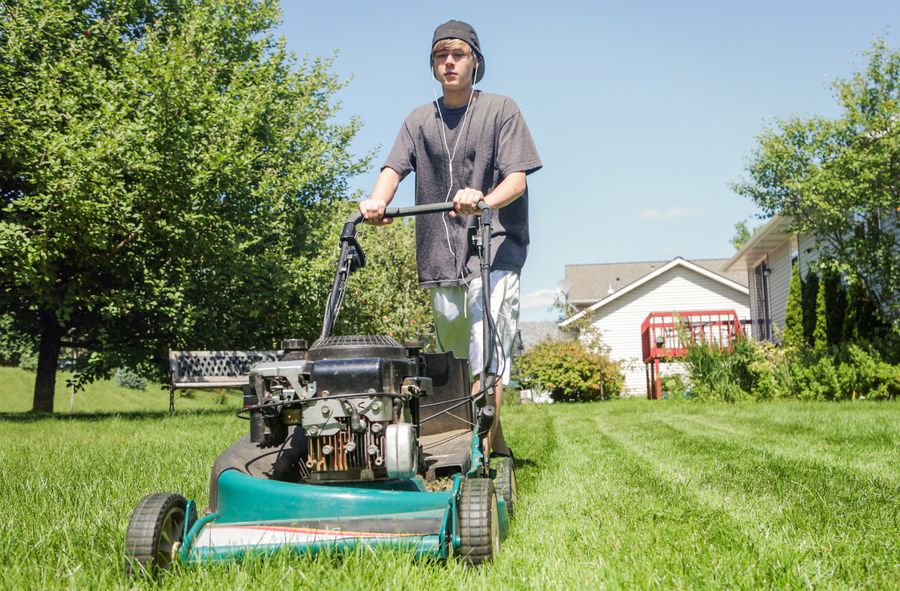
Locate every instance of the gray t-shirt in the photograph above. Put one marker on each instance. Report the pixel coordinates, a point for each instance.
(495, 142)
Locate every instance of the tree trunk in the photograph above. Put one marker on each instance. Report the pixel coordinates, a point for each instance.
(48, 358)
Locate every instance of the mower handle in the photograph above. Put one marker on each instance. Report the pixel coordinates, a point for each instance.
(352, 256)
(399, 212)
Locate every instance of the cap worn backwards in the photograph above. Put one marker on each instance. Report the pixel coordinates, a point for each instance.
(464, 32)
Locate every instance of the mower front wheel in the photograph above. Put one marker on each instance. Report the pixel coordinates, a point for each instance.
(479, 521)
(154, 533)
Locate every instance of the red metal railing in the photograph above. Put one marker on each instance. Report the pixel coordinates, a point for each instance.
(667, 335)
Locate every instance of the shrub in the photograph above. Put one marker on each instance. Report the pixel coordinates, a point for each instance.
(793, 318)
(863, 373)
(810, 292)
(128, 378)
(28, 360)
(571, 372)
(720, 374)
(674, 386)
(764, 372)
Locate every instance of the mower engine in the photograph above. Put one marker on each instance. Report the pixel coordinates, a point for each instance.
(356, 398)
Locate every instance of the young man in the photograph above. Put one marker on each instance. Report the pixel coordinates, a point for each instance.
(466, 146)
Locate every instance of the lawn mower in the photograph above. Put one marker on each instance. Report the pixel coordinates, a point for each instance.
(353, 441)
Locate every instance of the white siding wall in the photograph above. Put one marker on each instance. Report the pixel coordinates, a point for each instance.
(679, 289)
(754, 327)
(779, 284)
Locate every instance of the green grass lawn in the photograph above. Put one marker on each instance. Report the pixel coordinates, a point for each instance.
(623, 495)
(104, 396)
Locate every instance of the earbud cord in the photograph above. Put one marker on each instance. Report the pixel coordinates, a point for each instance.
(452, 155)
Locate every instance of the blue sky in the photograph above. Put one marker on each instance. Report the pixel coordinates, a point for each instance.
(643, 112)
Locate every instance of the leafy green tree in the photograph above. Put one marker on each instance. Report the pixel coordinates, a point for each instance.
(837, 179)
(820, 331)
(836, 305)
(810, 292)
(160, 166)
(383, 297)
(742, 234)
(793, 319)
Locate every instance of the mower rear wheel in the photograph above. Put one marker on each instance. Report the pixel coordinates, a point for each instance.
(479, 521)
(504, 470)
(154, 533)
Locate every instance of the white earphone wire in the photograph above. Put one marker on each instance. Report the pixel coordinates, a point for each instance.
(451, 155)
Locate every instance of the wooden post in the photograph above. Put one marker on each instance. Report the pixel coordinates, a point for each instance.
(658, 380)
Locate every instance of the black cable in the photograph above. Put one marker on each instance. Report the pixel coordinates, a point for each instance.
(445, 411)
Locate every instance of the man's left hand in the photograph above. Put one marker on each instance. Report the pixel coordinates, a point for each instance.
(466, 202)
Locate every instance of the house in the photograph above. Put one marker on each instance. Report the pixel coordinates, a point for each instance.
(767, 260)
(619, 296)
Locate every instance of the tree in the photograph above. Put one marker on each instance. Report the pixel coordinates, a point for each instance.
(742, 234)
(161, 163)
(837, 179)
(810, 293)
(835, 306)
(793, 318)
(820, 331)
(383, 297)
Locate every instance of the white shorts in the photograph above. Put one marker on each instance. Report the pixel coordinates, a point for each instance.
(458, 321)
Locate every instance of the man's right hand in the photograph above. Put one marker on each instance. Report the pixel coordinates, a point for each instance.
(373, 211)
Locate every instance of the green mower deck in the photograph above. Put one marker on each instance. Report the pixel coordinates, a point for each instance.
(259, 516)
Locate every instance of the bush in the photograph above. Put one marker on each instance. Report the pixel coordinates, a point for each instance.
(28, 360)
(569, 371)
(847, 372)
(762, 371)
(722, 374)
(674, 386)
(128, 378)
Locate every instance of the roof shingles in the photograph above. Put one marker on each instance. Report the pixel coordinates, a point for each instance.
(591, 283)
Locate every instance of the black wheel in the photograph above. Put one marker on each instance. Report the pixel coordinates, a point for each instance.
(154, 533)
(504, 471)
(479, 521)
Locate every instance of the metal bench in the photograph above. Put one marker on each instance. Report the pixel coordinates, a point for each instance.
(198, 370)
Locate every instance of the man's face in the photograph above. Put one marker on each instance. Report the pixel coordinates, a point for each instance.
(454, 68)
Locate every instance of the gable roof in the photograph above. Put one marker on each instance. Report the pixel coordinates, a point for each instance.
(676, 262)
(591, 283)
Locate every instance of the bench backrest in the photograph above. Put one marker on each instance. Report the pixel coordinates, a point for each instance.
(214, 369)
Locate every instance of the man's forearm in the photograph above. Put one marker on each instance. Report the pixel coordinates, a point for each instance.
(372, 209)
(386, 185)
(510, 188)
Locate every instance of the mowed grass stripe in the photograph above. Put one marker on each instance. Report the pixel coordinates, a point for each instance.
(555, 538)
(659, 533)
(608, 520)
(873, 453)
(818, 521)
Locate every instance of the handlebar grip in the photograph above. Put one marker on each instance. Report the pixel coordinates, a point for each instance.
(428, 208)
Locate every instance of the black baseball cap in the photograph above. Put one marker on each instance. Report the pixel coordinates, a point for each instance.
(464, 32)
